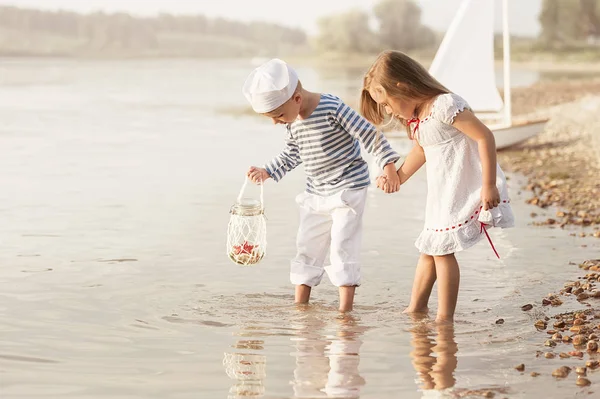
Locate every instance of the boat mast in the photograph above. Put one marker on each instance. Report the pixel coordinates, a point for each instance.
(506, 58)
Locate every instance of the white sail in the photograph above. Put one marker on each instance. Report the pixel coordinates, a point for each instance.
(464, 63)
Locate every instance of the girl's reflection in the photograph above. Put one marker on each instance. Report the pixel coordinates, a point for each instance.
(327, 356)
(434, 355)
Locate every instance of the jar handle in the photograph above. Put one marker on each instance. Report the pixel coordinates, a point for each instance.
(262, 195)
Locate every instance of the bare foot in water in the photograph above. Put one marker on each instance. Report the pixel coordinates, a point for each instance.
(416, 315)
(443, 320)
(410, 310)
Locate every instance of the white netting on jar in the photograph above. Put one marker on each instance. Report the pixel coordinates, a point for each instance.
(247, 230)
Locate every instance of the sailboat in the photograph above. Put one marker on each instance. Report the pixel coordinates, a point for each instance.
(464, 63)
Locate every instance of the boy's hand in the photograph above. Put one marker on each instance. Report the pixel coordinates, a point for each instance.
(381, 182)
(392, 179)
(257, 175)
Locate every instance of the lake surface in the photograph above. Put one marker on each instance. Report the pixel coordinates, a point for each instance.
(117, 179)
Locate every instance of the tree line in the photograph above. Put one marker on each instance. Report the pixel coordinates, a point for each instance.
(24, 30)
(394, 24)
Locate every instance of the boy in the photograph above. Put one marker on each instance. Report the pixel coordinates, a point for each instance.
(324, 134)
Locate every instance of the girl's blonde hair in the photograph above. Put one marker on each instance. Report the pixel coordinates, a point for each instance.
(396, 75)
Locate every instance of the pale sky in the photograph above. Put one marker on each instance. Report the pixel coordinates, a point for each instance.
(436, 13)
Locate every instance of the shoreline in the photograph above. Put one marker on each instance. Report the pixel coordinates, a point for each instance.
(364, 61)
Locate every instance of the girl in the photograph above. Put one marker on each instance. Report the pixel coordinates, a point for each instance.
(466, 187)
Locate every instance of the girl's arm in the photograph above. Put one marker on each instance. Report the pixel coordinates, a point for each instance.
(413, 162)
(470, 125)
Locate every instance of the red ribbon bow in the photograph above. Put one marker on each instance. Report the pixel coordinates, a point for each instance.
(410, 122)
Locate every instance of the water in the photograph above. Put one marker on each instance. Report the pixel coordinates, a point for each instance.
(117, 178)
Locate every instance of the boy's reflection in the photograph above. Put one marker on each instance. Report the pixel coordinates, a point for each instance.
(434, 355)
(327, 357)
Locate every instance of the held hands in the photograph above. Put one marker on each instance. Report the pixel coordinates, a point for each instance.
(257, 175)
(381, 182)
(490, 197)
(389, 181)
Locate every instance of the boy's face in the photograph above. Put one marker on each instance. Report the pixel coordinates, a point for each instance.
(288, 112)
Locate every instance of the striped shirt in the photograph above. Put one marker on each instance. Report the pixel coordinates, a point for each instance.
(328, 144)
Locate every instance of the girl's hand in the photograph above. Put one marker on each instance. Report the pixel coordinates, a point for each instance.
(257, 175)
(490, 197)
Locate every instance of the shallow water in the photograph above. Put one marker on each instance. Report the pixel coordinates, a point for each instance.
(117, 178)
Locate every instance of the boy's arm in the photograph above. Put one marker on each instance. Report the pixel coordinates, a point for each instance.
(286, 161)
(375, 142)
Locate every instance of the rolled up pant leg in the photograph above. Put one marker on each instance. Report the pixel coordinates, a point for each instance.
(346, 239)
(313, 240)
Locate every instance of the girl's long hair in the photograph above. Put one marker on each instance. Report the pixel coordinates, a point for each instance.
(396, 75)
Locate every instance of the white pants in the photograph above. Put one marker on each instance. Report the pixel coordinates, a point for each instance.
(329, 224)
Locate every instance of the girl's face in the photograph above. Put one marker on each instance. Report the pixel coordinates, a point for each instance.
(392, 105)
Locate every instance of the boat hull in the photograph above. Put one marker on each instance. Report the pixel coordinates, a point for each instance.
(510, 136)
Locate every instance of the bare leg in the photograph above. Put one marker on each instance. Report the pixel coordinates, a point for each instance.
(448, 273)
(302, 293)
(425, 277)
(346, 298)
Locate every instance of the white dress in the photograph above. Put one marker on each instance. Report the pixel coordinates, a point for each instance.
(454, 218)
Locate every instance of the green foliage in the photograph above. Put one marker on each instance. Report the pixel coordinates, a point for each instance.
(568, 21)
(347, 33)
(398, 27)
(35, 32)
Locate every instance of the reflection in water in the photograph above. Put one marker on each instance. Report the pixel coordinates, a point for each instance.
(327, 361)
(247, 369)
(434, 356)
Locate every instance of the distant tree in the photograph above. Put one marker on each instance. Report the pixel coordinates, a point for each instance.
(590, 11)
(565, 21)
(347, 33)
(571, 24)
(400, 25)
(549, 20)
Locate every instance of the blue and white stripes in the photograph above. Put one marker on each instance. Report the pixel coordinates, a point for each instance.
(328, 144)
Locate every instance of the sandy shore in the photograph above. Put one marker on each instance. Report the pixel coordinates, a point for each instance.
(563, 163)
(540, 99)
(562, 166)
